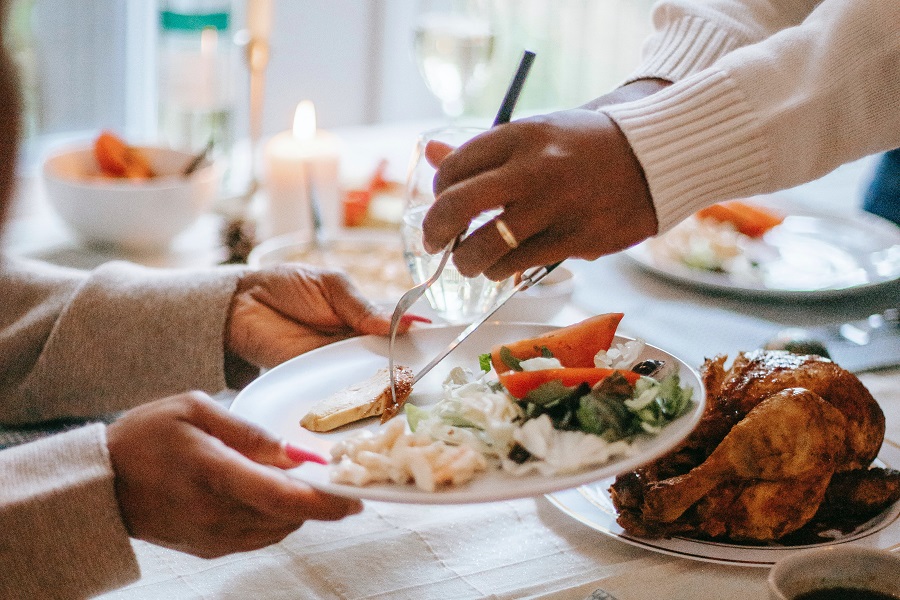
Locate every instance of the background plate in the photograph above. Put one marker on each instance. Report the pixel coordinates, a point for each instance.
(810, 255)
(592, 505)
(279, 398)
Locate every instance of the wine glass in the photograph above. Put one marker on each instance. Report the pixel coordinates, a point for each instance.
(453, 45)
(454, 298)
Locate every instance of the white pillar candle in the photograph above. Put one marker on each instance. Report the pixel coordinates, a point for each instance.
(290, 158)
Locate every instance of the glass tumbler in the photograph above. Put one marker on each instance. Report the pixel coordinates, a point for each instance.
(454, 298)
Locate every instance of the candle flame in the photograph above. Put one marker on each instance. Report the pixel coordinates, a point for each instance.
(209, 40)
(305, 121)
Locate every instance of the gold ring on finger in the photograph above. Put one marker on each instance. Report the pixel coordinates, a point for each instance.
(506, 234)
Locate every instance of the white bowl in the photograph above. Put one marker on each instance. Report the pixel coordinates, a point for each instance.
(541, 302)
(835, 567)
(132, 214)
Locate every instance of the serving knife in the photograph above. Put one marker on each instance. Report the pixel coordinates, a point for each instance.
(528, 279)
(504, 114)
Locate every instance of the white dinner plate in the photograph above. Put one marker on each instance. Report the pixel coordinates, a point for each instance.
(592, 505)
(810, 255)
(279, 398)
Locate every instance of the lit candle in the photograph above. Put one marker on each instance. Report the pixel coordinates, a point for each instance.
(291, 157)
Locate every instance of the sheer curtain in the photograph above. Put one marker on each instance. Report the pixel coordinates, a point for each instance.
(585, 47)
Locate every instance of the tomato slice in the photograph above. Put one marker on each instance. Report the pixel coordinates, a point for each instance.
(117, 159)
(519, 383)
(111, 153)
(749, 219)
(574, 345)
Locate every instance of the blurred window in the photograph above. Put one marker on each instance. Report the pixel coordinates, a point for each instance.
(90, 64)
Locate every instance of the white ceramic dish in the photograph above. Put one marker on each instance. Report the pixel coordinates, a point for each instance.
(282, 396)
(841, 566)
(592, 506)
(541, 302)
(809, 256)
(136, 215)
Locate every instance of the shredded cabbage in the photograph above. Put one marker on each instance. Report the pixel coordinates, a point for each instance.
(483, 416)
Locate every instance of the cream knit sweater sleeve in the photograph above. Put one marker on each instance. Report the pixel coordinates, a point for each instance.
(82, 344)
(690, 35)
(768, 95)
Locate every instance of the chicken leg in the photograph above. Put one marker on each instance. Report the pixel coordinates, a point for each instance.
(793, 434)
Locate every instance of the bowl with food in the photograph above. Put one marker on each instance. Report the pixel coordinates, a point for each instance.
(372, 259)
(136, 198)
(836, 572)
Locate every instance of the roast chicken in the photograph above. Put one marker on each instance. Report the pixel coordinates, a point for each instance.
(785, 439)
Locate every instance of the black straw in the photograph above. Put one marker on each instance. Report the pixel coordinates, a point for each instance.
(515, 88)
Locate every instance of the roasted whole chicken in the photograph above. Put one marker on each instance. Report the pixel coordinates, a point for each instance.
(785, 439)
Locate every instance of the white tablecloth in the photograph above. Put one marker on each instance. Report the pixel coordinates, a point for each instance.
(507, 550)
(525, 548)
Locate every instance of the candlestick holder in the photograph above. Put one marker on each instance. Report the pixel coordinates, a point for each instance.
(239, 232)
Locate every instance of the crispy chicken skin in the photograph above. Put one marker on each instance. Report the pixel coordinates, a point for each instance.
(861, 492)
(792, 435)
(777, 428)
(732, 393)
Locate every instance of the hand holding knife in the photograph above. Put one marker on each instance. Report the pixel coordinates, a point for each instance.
(503, 116)
(529, 278)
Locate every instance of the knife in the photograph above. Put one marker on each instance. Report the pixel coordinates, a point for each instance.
(529, 278)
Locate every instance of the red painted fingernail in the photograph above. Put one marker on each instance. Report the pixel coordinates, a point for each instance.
(410, 318)
(298, 454)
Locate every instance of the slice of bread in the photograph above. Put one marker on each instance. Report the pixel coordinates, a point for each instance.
(361, 400)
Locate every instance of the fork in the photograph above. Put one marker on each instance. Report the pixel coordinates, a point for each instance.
(406, 301)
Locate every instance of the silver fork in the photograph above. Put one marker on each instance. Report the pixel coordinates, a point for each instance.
(406, 301)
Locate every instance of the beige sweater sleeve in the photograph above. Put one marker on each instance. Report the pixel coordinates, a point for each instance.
(62, 534)
(81, 344)
(75, 344)
(769, 113)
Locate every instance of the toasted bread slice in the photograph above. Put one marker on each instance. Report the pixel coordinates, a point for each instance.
(361, 400)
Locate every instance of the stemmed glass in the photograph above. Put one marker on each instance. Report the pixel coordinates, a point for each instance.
(453, 45)
(455, 298)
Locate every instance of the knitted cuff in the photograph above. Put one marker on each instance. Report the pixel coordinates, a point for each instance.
(698, 144)
(60, 519)
(689, 45)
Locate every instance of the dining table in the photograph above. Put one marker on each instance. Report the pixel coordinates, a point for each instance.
(513, 549)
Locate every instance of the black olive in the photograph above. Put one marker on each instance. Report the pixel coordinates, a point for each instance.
(518, 454)
(648, 367)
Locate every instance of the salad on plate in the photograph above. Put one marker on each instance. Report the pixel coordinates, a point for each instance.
(562, 402)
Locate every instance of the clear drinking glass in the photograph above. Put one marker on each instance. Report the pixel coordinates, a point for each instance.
(454, 298)
(453, 44)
